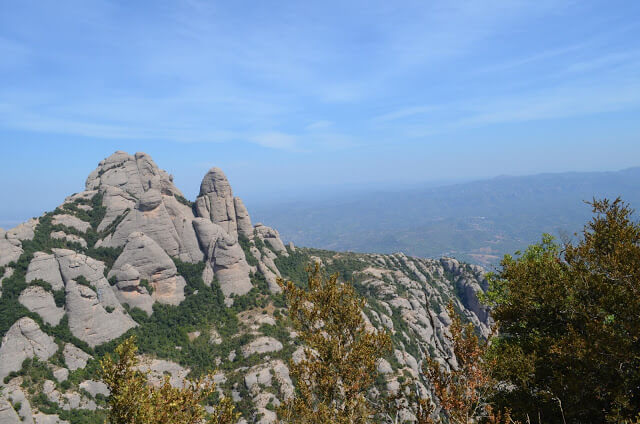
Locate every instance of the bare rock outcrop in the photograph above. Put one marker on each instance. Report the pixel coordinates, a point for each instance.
(129, 290)
(71, 221)
(144, 198)
(95, 388)
(261, 345)
(75, 358)
(95, 315)
(133, 174)
(73, 265)
(67, 400)
(271, 237)
(71, 238)
(8, 415)
(42, 418)
(243, 219)
(215, 201)
(225, 257)
(24, 231)
(15, 394)
(158, 368)
(40, 301)
(24, 340)
(45, 267)
(144, 256)
(10, 249)
(92, 318)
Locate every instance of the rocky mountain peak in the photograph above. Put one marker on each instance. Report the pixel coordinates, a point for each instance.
(131, 243)
(215, 181)
(216, 202)
(135, 175)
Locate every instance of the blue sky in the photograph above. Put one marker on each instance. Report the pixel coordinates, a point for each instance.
(295, 96)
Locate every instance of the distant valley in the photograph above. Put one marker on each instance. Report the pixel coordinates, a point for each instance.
(476, 221)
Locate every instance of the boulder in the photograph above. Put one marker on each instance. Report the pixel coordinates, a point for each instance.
(45, 267)
(271, 237)
(24, 231)
(95, 318)
(128, 289)
(71, 221)
(24, 340)
(40, 301)
(10, 249)
(149, 200)
(42, 418)
(261, 345)
(151, 263)
(69, 237)
(74, 357)
(14, 392)
(225, 256)
(95, 387)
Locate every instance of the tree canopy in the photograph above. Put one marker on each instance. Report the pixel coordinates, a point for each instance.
(339, 364)
(569, 323)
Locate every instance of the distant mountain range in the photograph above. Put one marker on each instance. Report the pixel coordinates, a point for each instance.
(476, 221)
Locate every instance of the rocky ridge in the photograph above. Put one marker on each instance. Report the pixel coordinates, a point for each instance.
(192, 280)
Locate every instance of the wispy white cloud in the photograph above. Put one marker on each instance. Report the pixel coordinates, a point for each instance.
(550, 104)
(210, 72)
(407, 112)
(275, 140)
(319, 125)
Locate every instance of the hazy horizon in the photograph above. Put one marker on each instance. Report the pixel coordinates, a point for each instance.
(12, 214)
(293, 97)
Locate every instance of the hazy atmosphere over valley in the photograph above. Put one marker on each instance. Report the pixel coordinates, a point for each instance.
(298, 212)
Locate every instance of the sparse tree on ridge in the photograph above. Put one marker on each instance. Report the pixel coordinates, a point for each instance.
(340, 353)
(134, 401)
(463, 393)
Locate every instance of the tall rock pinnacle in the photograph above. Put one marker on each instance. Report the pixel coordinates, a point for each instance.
(216, 201)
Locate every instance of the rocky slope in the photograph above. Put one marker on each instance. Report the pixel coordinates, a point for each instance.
(196, 283)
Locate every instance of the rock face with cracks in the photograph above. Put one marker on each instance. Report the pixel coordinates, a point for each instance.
(143, 258)
(24, 340)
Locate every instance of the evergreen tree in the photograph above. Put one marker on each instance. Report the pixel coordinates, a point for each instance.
(569, 322)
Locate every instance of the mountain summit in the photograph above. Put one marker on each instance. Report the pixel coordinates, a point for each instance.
(196, 283)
